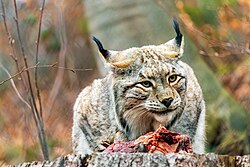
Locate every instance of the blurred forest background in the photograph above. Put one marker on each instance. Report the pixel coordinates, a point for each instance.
(217, 46)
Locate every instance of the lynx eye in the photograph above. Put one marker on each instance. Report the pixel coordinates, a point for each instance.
(173, 78)
(146, 84)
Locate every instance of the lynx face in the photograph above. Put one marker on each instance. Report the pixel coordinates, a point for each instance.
(149, 92)
(159, 90)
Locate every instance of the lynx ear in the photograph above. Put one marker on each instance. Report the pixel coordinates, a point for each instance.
(105, 53)
(179, 36)
(113, 58)
(175, 46)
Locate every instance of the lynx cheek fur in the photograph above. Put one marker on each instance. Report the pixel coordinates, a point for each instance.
(147, 87)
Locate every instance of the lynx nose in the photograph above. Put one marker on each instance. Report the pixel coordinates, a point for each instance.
(167, 101)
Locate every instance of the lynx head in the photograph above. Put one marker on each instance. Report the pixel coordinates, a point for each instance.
(149, 84)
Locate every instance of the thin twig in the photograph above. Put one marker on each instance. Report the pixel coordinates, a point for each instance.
(37, 50)
(33, 104)
(11, 40)
(13, 76)
(44, 142)
(34, 114)
(11, 43)
(73, 69)
(235, 49)
(43, 66)
(14, 87)
(24, 56)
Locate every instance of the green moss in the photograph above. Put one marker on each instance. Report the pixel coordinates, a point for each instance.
(32, 153)
(45, 34)
(11, 152)
(53, 44)
(30, 19)
(49, 37)
(52, 142)
(223, 69)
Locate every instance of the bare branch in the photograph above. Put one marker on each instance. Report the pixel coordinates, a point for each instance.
(44, 142)
(32, 96)
(14, 87)
(11, 40)
(13, 76)
(24, 56)
(232, 48)
(34, 114)
(37, 50)
(11, 43)
(72, 69)
(33, 105)
(43, 66)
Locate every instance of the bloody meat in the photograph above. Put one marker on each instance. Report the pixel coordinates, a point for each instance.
(160, 141)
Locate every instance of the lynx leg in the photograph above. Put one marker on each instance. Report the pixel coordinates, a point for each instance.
(199, 138)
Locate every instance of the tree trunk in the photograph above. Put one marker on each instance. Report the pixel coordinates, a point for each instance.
(145, 159)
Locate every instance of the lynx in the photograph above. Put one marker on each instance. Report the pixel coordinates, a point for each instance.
(145, 88)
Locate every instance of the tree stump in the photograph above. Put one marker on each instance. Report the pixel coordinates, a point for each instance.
(144, 159)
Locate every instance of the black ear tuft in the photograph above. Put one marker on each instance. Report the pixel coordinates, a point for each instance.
(178, 37)
(103, 51)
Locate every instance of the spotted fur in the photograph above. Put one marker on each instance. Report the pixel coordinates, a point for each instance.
(146, 87)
